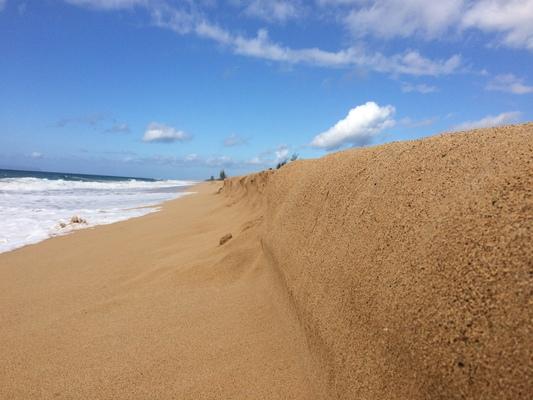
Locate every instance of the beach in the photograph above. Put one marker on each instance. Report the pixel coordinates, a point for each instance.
(401, 271)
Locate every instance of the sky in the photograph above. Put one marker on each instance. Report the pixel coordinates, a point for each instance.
(183, 89)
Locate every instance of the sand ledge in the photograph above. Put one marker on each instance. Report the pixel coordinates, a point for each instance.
(409, 264)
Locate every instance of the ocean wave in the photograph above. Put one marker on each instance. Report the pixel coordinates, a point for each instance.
(39, 184)
(34, 209)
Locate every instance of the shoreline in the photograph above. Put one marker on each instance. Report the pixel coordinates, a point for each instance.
(79, 227)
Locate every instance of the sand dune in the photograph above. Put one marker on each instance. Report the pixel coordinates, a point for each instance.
(401, 271)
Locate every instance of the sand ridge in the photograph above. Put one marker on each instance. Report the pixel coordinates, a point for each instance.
(410, 265)
(401, 271)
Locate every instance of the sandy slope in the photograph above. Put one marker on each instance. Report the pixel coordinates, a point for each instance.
(402, 271)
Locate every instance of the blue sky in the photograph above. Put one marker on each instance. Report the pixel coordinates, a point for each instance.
(181, 89)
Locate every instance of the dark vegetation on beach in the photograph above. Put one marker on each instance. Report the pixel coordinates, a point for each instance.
(222, 175)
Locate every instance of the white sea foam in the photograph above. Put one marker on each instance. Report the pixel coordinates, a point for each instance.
(32, 209)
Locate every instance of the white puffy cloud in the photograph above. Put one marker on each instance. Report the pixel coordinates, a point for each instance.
(358, 128)
(510, 84)
(489, 121)
(163, 133)
(511, 18)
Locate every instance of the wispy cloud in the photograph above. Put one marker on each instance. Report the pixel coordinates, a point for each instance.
(419, 88)
(489, 121)
(220, 161)
(270, 157)
(510, 84)
(156, 132)
(21, 8)
(430, 20)
(97, 121)
(190, 160)
(188, 20)
(510, 18)
(273, 10)
(235, 140)
(91, 120)
(108, 4)
(119, 128)
(358, 128)
(402, 18)
(412, 123)
(36, 155)
(409, 63)
(282, 153)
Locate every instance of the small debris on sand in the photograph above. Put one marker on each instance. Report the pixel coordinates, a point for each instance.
(225, 238)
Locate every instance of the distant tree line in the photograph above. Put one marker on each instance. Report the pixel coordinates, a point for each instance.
(221, 176)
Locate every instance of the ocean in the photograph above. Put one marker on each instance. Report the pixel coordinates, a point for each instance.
(36, 205)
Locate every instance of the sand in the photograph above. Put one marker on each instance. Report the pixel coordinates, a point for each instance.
(402, 271)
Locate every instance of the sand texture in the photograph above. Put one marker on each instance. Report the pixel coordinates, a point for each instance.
(403, 271)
